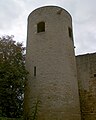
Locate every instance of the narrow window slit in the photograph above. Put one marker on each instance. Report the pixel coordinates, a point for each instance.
(34, 70)
(70, 33)
(94, 75)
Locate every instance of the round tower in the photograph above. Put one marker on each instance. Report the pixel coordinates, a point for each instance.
(51, 89)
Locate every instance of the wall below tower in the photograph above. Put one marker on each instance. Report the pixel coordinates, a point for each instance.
(86, 72)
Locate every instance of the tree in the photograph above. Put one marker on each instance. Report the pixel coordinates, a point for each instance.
(12, 77)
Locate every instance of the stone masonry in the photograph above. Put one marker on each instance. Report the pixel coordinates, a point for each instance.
(57, 89)
(86, 72)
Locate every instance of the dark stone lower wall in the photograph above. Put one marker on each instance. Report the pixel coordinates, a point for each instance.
(86, 72)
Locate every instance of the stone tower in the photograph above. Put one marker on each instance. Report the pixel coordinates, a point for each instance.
(50, 61)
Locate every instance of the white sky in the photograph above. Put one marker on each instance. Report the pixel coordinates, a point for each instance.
(14, 14)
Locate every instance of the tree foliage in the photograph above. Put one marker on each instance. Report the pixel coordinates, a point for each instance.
(12, 77)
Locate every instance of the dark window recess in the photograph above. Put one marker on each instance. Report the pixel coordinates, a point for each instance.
(40, 27)
(34, 70)
(94, 75)
(70, 33)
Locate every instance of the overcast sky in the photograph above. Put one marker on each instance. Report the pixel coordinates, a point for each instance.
(14, 13)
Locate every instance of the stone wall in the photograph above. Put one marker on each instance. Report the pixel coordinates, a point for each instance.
(86, 70)
(51, 52)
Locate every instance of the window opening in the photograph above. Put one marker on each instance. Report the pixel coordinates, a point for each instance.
(40, 27)
(94, 75)
(70, 33)
(34, 70)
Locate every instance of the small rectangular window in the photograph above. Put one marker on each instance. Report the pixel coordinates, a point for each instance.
(70, 33)
(94, 75)
(41, 27)
(34, 70)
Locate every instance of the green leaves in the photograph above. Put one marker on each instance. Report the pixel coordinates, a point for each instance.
(35, 109)
(12, 77)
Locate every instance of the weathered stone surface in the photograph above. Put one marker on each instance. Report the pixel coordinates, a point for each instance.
(86, 69)
(52, 53)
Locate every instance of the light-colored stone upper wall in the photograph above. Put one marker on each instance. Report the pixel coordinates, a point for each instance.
(52, 52)
(86, 69)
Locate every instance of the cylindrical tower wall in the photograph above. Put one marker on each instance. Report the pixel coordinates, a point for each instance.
(50, 61)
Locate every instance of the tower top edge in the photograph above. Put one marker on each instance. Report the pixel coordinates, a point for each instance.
(50, 7)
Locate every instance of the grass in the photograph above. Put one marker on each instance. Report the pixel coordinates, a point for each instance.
(5, 118)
